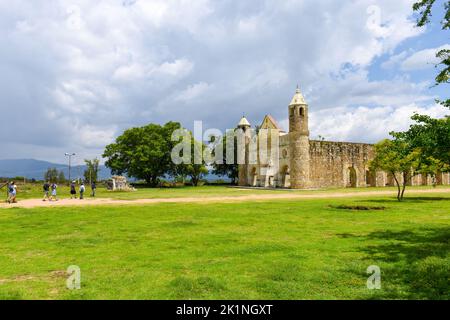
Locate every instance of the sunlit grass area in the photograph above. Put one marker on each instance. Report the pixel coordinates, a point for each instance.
(303, 249)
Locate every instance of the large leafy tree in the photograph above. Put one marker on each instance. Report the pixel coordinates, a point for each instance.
(431, 136)
(143, 152)
(403, 161)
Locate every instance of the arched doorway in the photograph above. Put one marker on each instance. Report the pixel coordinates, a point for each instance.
(390, 181)
(254, 177)
(352, 177)
(285, 177)
(371, 178)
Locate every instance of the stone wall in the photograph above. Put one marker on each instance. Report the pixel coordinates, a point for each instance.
(331, 164)
(341, 164)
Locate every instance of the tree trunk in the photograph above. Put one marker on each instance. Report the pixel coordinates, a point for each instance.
(405, 182)
(399, 190)
(152, 181)
(194, 180)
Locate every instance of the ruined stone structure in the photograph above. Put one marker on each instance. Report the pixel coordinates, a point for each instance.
(119, 183)
(304, 163)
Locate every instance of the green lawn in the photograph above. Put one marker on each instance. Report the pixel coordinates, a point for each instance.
(308, 249)
(34, 191)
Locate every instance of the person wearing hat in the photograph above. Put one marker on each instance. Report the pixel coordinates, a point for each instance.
(73, 190)
(93, 188)
(46, 188)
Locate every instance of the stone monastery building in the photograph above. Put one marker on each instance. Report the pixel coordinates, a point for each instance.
(305, 163)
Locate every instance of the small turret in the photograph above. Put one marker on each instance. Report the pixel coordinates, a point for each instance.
(298, 114)
(244, 124)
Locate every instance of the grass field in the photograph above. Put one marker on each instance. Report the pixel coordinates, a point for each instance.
(34, 191)
(308, 249)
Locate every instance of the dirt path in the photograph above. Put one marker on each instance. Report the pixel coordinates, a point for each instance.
(35, 203)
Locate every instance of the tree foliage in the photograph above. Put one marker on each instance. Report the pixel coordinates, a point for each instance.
(227, 168)
(92, 170)
(51, 175)
(423, 149)
(196, 171)
(403, 160)
(425, 10)
(143, 152)
(61, 177)
(196, 168)
(431, 136)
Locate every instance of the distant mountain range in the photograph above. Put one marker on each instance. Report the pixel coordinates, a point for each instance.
(35, 169)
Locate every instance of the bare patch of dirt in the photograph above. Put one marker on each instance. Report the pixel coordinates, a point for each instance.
(59, 274)
(35, 203)
(19, 278)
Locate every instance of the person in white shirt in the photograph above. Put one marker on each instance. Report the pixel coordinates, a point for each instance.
(82, 190)
(12, 192)
(54, 186)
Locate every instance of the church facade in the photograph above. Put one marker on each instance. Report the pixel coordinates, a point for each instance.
(306, 164)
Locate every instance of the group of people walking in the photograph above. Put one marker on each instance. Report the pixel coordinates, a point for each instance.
(47, 187)
(50, 191)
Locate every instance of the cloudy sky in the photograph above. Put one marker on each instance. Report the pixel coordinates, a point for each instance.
(75, 74)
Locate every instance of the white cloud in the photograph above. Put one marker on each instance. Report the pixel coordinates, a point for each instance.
(422, 59)
(179, 68)
(364, 124)
(132, 72)
(92, 137)
(103, 66)
(395, 60)
(192, 91)
(409, 60)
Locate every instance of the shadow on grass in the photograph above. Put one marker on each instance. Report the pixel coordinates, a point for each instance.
(407, 200)
(414, 265)
(357, 208)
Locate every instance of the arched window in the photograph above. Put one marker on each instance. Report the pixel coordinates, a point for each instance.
(254, 177)
(352, 177)
(302, 112)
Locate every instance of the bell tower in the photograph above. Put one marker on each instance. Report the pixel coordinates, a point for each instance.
(299, 142)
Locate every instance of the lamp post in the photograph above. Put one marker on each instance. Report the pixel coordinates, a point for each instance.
(70, 155)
